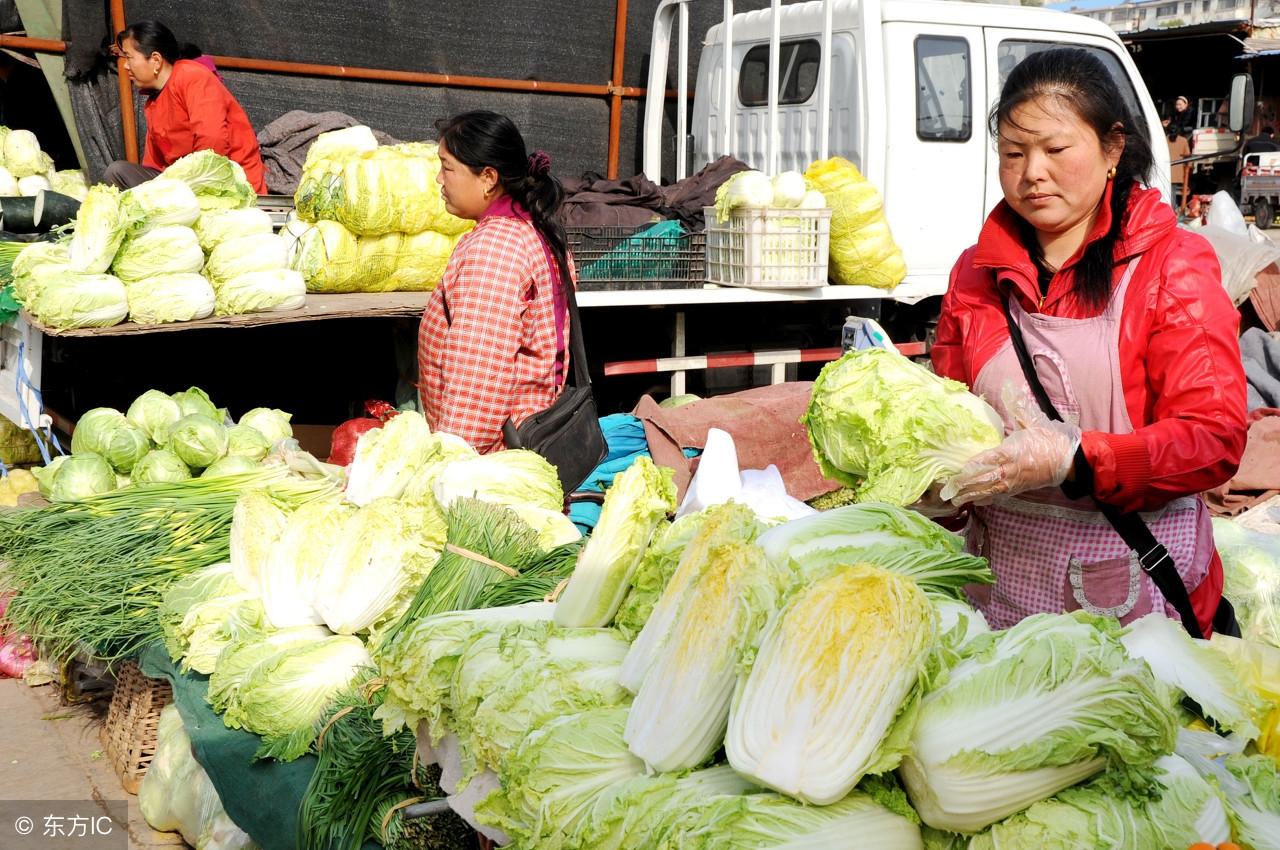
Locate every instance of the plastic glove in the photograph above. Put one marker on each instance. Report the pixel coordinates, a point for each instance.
(1039, 454)
(931, 503)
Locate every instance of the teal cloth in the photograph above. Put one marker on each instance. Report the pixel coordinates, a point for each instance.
(263, 798)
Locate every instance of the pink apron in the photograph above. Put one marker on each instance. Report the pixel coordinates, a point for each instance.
(1053, 554)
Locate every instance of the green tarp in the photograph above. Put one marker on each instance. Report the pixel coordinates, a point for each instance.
(261, 797)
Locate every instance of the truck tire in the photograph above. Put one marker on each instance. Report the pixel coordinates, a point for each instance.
(1263, 214)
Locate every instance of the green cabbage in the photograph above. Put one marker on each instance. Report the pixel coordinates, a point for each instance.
(890, 428)
(284, 697)
(160, 466)
(375, 558)
(155, 412)
(243, 441)
(502, 478)
(237, 257)
(218, 182)
(72, 300)
(198, 440)
(1030, 711)
(214, 227)
(161, 202)
(230, 465)
(99, 229)
(159, 251)
(832, 692)
(681, 711)
(724, 524)
(82, 476)
(386, 458)
(270, 423)
(94, 428)
(170, 298)
(47, 475)
(22, 154)
(196, 400)
(640, 499)
(890, 537)
(261, 292)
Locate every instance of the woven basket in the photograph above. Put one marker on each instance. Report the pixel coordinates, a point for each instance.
(129, 735)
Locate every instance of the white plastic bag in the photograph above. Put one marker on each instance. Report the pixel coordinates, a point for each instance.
(719, 479)
(1224, 213)
(177, 796)
(1241, 256)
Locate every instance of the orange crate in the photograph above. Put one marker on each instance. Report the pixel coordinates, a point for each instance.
(129, 735)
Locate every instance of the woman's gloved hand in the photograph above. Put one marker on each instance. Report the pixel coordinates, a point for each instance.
(1039, 454)
(932, 505)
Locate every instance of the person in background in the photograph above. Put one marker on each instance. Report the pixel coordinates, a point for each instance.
(1264, 142)
(1179, 174)
(1181, 121)
(1133, 338)
(188, 109)
(492, 343)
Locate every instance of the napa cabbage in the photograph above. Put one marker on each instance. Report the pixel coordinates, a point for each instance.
(72, 300)
(22, 154)
(386, 458)
(553, 527)
(256, 524)
(501, 478)
(218, 182)
(33, 185)
(30, 260)
(655, 570)
(261, 292)
(640, 499)
(172, 249)
(835, 684)
(288, 578)
(242, 255)
(169, 297)
(744, 190)
(1030, 711)
(70, 182)
(238, 658)
(214, 227)
(161, 202)
(99, 229)
(788, 189)
(889, 427)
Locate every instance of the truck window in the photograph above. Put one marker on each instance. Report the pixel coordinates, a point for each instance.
(943, 109)
(797, 75)
(1010, 53)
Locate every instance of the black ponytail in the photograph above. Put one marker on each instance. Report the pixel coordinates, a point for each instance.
(485, 139)
(152, 37)
(1077, 79)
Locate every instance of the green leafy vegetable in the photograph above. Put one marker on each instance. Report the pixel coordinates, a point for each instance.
(100, 228)
(198, 440)
(170, 298)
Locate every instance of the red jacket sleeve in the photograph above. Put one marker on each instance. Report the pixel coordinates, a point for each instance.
(947, 353)
(1196, 421)
(486, 302)
(206, 102)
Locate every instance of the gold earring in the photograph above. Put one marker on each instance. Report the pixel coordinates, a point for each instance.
(1111, 175)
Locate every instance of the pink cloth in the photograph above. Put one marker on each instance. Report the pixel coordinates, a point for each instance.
(1049, 553)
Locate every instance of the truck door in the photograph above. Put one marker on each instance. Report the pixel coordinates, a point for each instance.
(1006, 48)
(936, 160)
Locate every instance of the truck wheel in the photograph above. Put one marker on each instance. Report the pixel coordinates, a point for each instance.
(1263, 214)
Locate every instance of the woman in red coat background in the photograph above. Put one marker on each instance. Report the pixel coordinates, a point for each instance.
(1133, 338)
(188, 109)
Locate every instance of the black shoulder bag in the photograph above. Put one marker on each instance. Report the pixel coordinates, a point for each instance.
(568, 432)
(1152, 555)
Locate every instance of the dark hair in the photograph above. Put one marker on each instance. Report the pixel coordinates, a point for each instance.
(187, 50)
(483, 139)
(1078, 80)
(152, 37)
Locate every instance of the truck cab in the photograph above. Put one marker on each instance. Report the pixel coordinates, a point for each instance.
(909, 86)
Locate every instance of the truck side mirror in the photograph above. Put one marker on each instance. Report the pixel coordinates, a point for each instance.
(1240, 110)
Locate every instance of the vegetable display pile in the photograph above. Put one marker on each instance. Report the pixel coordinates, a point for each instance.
(27, 170)
(370, 218)
(186, 245)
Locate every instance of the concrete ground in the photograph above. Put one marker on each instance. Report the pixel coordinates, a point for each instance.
(53, 752)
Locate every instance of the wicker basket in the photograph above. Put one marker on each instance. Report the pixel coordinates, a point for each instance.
(129, 735)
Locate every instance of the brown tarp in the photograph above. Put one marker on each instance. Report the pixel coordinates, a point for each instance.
(1258, 478)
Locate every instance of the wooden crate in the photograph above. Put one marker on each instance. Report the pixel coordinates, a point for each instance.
(129, 734)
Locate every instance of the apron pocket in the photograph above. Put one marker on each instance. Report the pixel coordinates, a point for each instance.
(1110, 588)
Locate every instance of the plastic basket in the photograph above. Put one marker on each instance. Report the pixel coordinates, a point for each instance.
(769, 248)
(129, 735)
(660, 255)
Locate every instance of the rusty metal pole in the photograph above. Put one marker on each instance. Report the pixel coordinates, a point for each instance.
(128, 118)
(615, 87)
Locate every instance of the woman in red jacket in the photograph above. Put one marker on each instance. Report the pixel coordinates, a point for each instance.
(188, 109)
(1132, 337)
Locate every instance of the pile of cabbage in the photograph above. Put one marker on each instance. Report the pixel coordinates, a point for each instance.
(25, 169)
(161, 439)
(725, 681)
(184, 246)
(370, 218)
(309, 590)
(889, 428)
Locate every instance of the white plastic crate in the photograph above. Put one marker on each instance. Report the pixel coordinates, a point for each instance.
(769, 248)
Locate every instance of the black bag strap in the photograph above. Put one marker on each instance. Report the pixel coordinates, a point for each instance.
(1152, 555)
(579, 374)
